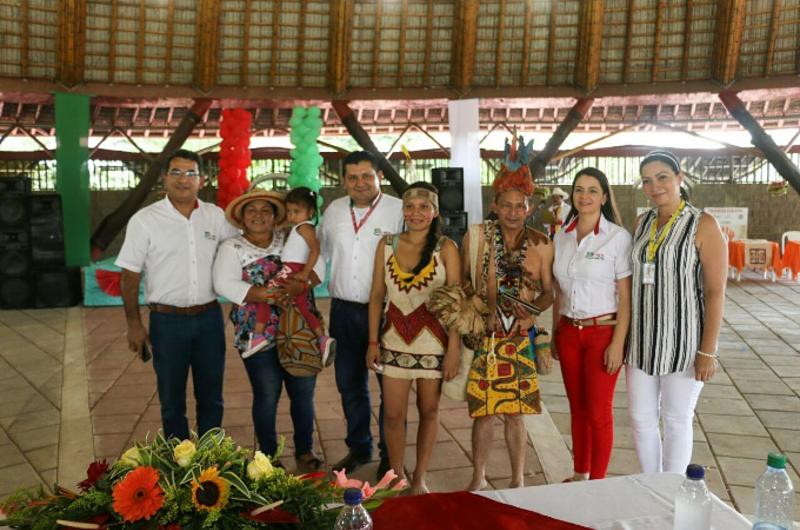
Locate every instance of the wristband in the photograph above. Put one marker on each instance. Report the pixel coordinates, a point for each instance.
(373, 343)
(704, 354)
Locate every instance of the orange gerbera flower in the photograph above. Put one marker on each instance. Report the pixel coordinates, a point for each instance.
(138, 495)
(209, 491)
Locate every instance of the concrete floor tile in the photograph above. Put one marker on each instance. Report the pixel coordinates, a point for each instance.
(31, 421)
(334, 429)
(624, 462)
(780, 420)
(10, 456)
(241, 417)
(746, 363)
(145, 430)
(743, 498)
(412, 430)
(720, 391)
(767, 387)
(462, 435)
(110, 445)
(115, 424)
(447, 480)
(744, 376)
(740, 446)
(744, 471)
(776, 361)
(776, 403)
(16, 477)
(727, 425)
(456, 420)
(788, 441)
(446, 455)
(735, 407)
(107, 406)
(44, 458)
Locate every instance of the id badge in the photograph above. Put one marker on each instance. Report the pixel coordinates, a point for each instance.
(649, 275)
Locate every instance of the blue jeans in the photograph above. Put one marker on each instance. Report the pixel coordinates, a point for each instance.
(180, 342)
(350, 327)
(267, 378)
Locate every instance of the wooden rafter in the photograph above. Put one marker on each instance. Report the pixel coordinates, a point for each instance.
(728, 39)
(526, 43)
(551, 43)
(206, 45)
(465, 35)
(657, 43)
(340, 29)
(590, 40)
(687, 38)
(773, 31)
(71, 41)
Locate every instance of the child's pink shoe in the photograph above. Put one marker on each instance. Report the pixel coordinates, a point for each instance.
(327, 346)
(255, 343)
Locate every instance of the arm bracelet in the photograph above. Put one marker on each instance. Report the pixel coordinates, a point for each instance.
(704, 354)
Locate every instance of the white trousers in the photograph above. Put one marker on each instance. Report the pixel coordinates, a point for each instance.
(673, 398)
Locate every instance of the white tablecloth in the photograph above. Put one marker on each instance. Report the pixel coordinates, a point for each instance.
(635, 502)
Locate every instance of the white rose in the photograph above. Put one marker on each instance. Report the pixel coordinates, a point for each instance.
(184, 452)
(132, 457)
(260, 467)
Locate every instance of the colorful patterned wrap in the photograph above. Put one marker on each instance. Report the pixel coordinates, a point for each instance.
(257, 273)
(503, 379)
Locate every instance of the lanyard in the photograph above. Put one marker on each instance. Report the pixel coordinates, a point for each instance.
(358, 226)
(654, 244)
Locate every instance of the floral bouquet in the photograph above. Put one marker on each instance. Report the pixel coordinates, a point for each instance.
(778, 188)
(203, 482)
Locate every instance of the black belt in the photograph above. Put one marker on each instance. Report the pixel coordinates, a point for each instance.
(352, 305)
(175, 310)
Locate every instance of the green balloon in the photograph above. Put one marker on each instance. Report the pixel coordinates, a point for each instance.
(320, 201)
(318, 160)
(315, 185)
(299, 111)
(293, 180)
(314, 111)
(294, 121)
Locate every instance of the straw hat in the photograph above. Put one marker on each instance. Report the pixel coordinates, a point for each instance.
(563, 194)
(235, 210)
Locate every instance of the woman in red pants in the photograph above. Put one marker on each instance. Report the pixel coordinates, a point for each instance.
(591, 314)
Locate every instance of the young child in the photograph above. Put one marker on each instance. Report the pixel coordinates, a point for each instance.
(299, 255)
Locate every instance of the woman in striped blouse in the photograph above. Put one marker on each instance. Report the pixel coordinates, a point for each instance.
(679, 273)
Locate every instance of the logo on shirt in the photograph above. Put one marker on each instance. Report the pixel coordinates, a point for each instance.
(211, 236)
(595, 255)
(380, 233)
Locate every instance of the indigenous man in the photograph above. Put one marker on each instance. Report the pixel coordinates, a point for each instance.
(513, 260)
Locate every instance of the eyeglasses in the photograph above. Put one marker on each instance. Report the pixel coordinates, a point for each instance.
(190, 174)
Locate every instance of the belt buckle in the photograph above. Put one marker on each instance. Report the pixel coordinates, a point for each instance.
(577, 324)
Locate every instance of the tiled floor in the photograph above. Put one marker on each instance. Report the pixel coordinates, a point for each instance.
(750, 408)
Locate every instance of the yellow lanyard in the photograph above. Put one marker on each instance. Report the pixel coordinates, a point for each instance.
(654, 245)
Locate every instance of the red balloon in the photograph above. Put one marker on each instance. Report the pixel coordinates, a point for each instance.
(236, 190)
(242, 163)
(223, 162)
(239, 152)
(226, 146)
(231, 174)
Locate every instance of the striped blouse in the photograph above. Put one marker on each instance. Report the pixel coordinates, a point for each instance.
(667, 317)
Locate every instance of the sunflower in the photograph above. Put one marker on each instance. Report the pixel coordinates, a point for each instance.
(209, 492)
(138, 495)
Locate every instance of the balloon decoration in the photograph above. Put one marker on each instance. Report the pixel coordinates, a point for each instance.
(234, 155)
(306, 126)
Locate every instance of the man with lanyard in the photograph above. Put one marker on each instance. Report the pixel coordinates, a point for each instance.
(517, 261)
(558, 212)
(351, 230)
(175, 240)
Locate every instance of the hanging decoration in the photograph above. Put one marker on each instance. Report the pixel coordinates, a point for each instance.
(306, 127)
(234, 155)
(777, 188)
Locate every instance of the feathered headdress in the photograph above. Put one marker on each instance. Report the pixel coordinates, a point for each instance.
(515, 174)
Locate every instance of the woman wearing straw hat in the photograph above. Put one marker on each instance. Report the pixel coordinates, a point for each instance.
(557, 213)
(243, 267)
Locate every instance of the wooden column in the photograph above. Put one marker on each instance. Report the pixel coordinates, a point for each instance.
(71, 42)
(590, 41)
(206, 45)
(340, 28)
(776, 156)
(464, 39)
(350, 121)
(728, 40)
(115, 221)
(575, 116)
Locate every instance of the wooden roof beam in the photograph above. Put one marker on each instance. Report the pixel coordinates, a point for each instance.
(728, 38)
(71, 41)
(340, 38)
(206, 45)
(464, 42)
(590, 40)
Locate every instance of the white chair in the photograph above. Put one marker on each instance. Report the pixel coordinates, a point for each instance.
(792, 235)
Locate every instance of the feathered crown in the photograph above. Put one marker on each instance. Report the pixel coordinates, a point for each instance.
(515, 174)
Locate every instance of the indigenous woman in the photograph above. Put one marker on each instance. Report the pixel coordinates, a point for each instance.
(592, 269)
(680, 264)
(414, 346)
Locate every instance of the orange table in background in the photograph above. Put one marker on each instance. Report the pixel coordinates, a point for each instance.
(736, 256)
(791, 258)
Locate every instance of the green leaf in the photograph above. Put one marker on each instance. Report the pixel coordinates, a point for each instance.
(193, 474)
(237, 483)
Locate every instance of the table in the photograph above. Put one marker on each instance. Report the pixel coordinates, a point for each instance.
(754, 254)
(791, 258)
(634, 502)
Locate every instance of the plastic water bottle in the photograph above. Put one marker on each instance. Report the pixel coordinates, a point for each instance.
(774, 496)
(693, 501)
(353, 515)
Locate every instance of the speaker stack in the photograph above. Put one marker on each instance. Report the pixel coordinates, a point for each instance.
(450, 183)
(33, 273)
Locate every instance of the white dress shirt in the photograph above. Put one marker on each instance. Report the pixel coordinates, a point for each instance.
(177, 253)
(587, 273)
(352, 255)
(237, 253)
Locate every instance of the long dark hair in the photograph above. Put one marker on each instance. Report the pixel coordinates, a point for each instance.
(609, 209)
(434, 232)
(304, 197)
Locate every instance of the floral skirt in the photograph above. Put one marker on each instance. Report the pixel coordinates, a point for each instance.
(502, 379)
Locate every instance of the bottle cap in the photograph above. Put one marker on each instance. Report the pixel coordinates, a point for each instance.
(352, 496)
(777, 460)
(695, 471)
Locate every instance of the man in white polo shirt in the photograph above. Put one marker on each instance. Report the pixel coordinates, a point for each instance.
(351, 230)
(175, 240)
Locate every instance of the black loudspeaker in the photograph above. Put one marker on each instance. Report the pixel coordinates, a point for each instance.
(450, 183)
(14, 194)
(15, 244)
(454, 225)
(58, 287)
(47, 231)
